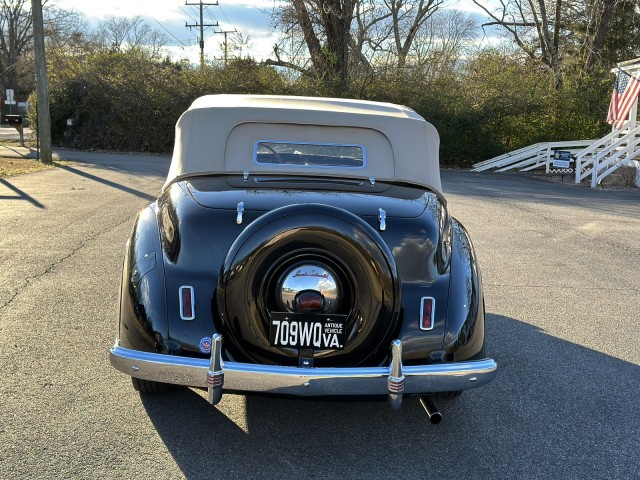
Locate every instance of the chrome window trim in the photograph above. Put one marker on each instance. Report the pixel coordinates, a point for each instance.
(295, 142)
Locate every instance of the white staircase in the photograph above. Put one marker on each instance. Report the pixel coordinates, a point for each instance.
(608, 154)
(529, 158)
(597, 158)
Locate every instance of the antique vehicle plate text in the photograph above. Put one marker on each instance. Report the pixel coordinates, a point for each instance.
(307, 330)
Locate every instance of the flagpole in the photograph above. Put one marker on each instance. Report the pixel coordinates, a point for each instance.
(633, 115)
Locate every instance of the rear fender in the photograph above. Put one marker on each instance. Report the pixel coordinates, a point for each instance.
(464, 338)
(143, 312)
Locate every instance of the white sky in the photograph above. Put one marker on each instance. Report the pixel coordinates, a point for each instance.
(250, 17)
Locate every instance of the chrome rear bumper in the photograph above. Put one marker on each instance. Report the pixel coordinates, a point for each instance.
(217, 375)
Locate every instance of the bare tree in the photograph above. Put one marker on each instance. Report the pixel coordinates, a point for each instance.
(369, 32)
(534, 27)
(238, 45)
(62, 28)
(599, 16)
(333, 19)
(556, 32)
(342, 35)
(442, 42)
(393, 27)
(16, 38)
(125, 34)
(407, 18)
(322, 28)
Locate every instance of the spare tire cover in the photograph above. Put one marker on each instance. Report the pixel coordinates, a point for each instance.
(326, 237)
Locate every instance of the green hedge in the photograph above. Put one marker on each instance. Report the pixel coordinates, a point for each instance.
(493, 104)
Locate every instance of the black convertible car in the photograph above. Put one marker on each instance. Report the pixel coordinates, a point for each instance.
(302, 246)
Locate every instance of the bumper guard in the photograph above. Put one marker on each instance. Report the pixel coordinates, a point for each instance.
(217, 375)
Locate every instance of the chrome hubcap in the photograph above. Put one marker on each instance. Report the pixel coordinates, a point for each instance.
(309, 287)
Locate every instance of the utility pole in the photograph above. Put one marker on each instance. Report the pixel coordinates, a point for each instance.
(42, 87)
(226, 32)
(202, 26)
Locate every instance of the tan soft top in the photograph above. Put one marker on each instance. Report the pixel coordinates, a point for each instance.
(218, 133)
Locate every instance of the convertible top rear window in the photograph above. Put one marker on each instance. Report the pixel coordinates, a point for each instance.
(270, 152)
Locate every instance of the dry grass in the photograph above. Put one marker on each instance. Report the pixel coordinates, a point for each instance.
(12, 164)
(17, 166)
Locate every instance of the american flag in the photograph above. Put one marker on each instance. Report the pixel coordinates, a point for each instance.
(625, 92)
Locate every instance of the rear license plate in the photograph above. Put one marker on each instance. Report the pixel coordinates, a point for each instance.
(307, 330)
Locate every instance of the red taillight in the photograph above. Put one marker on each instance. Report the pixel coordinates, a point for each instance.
(187, 310)
(427, 310)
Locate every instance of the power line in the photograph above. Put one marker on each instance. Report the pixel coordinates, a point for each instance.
(225, 33)
(187, 14)
(224, 14)
(211, 17)
(214, 19)
(202, 26)
(166, 30)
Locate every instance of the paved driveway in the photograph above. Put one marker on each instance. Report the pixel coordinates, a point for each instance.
(561, 267)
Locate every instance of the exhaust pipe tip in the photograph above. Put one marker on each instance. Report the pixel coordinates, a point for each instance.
(435, 417)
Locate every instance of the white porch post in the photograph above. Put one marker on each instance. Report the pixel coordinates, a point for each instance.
(548, 161)
(633, 115)
(633, 120)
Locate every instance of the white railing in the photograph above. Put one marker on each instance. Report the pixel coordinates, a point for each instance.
(604, 149)
(613, 162)
(597, 158)
(503, 159)
(529, 158)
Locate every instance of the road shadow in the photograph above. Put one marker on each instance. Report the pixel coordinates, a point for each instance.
(19, 194)
(134, 164)
(109, 183)
(17, 151)
(501, 186)
(556, 410)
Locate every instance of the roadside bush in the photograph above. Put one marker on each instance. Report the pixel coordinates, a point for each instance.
(118, 101)
(127, 102)
(512, 104)
(493, 103)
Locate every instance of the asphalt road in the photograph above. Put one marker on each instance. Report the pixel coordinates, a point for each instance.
(9, 133)
(561, 267)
